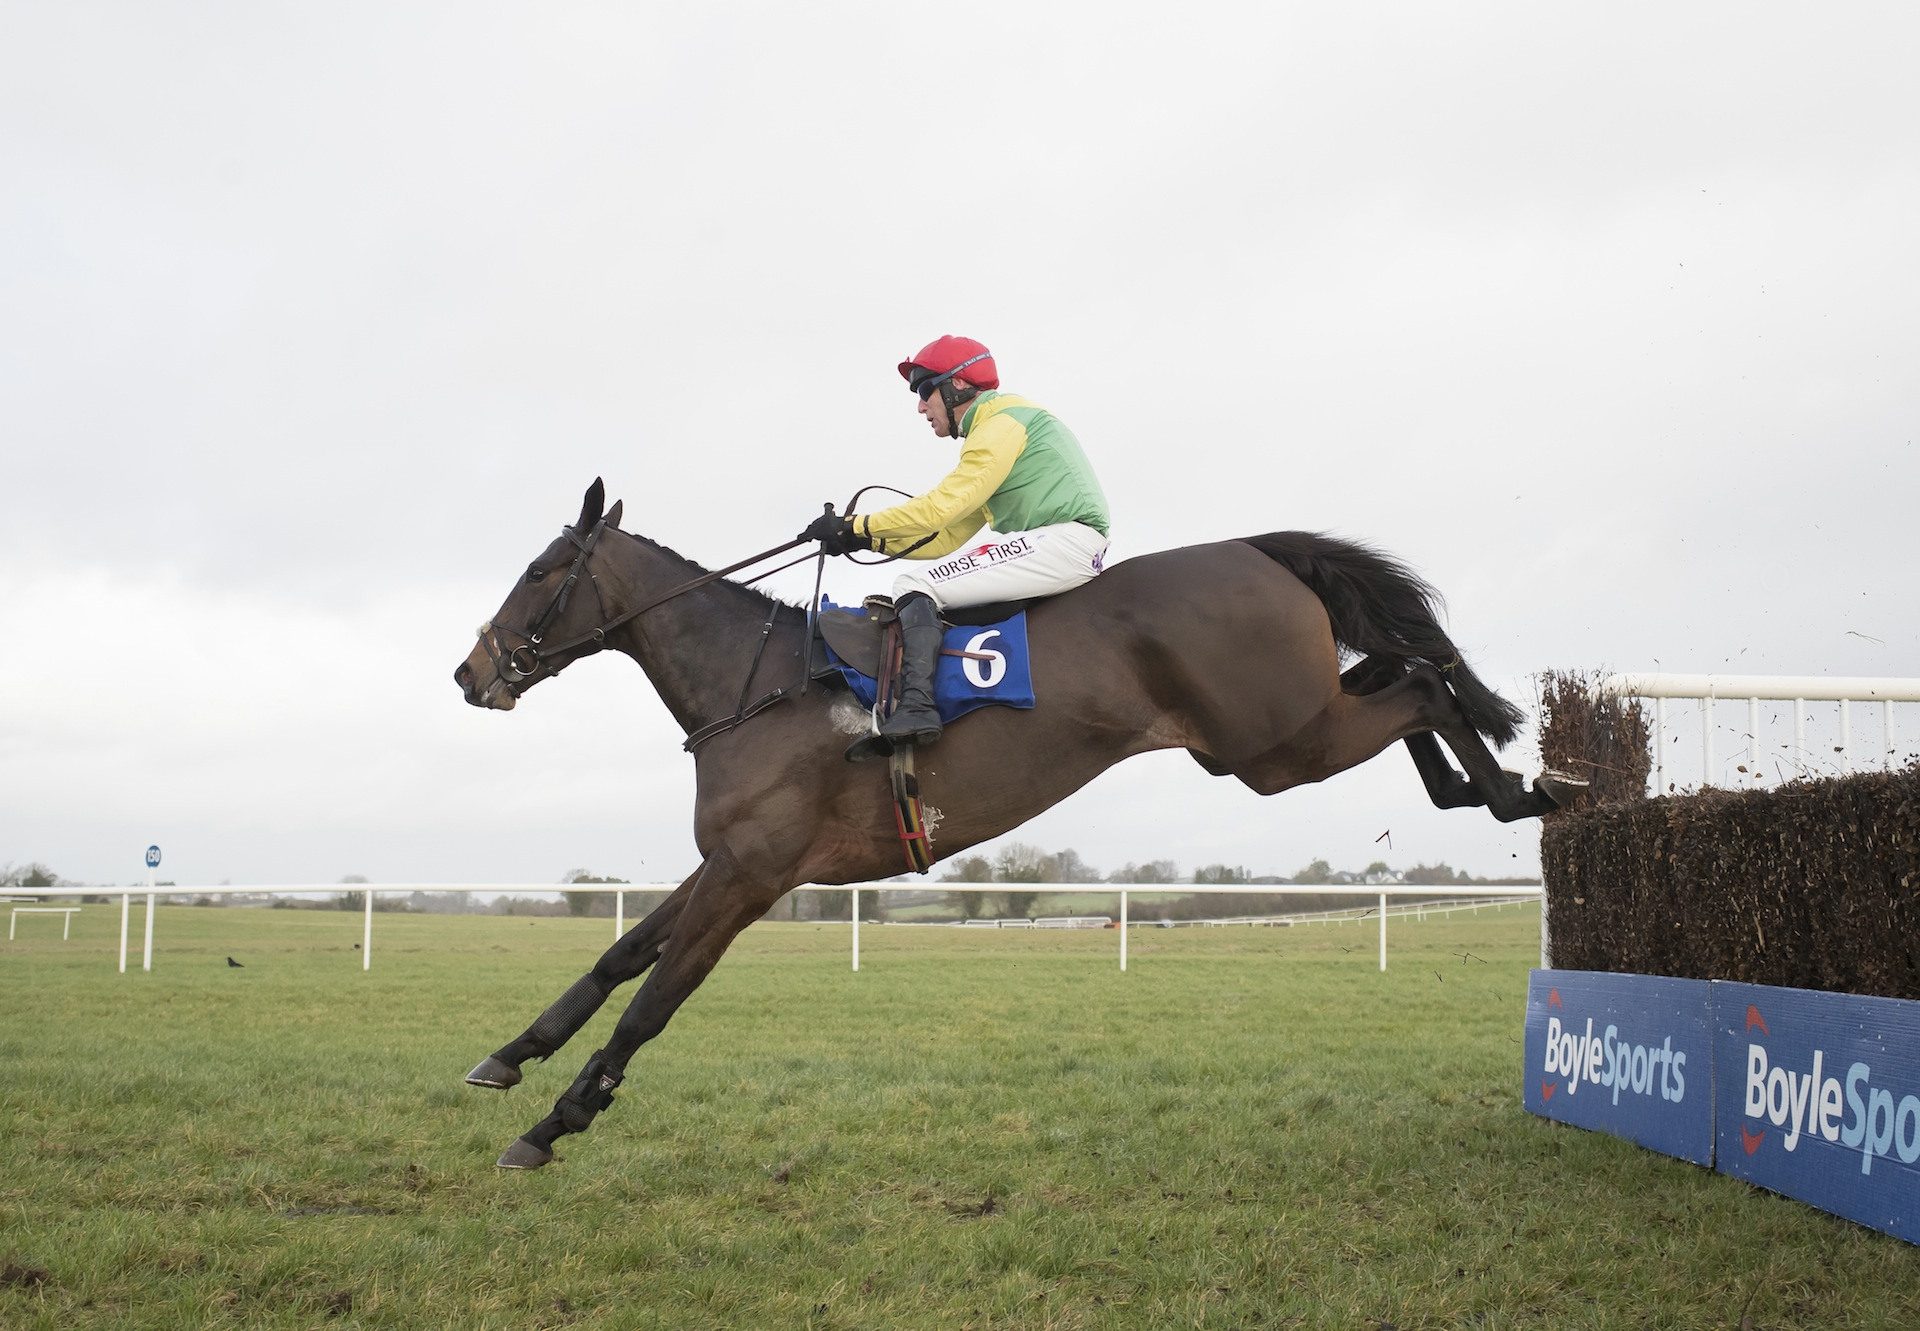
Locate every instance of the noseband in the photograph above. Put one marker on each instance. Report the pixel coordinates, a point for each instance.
(519, 666)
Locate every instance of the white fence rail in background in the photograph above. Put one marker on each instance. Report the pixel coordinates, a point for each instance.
(1381, 892)
(1843, 752)
(66, 925)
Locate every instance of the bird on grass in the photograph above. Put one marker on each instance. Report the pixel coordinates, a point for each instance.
(236, 965)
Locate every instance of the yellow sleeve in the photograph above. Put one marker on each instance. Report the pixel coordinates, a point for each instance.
(956, 508)
(947, 539)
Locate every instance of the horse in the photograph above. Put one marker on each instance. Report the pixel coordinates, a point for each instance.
(1230, 650)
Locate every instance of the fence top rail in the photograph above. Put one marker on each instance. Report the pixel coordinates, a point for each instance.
(1098, 889)
(1772, 688)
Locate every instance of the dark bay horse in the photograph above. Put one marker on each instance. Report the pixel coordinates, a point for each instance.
(1230, 651)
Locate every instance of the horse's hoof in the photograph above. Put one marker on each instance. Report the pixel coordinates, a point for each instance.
(523, 1154)
(1560, 787)
(494, 1074)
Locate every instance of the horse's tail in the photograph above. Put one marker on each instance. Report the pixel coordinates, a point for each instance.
(1380, 607)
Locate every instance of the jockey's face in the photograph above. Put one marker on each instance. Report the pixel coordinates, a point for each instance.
(934, 408)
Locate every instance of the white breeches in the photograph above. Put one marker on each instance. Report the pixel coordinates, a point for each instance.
(1017, 567)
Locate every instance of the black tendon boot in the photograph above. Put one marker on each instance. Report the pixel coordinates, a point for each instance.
(914, 720)
(577, 1107)
(591, 1092)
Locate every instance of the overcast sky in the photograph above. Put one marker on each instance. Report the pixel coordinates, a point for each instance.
(316, 320)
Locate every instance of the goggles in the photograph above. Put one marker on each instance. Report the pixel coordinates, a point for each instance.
(923, 381)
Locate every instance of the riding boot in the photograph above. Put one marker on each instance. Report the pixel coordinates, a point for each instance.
(915, 719)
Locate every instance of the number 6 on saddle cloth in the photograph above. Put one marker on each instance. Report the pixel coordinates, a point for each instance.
(980, 665)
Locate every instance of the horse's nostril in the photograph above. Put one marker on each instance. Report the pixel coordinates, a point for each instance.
(463, 675)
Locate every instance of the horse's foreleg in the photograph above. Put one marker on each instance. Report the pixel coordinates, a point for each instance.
(629, 957)
(721, 903)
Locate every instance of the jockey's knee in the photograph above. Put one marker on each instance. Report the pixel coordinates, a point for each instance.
(916, 584)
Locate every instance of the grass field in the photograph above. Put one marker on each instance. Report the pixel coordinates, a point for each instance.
(1251, 1128)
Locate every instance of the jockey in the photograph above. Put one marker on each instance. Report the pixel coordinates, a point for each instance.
(1021, 473)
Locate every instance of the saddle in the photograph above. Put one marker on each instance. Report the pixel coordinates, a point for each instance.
(860, 640)
(870, 643)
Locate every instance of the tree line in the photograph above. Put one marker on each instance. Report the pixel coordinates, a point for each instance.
(1018, 863)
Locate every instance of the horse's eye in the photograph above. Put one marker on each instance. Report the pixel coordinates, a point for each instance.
(535, 574)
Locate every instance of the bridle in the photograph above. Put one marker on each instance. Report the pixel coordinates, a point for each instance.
(518, 668)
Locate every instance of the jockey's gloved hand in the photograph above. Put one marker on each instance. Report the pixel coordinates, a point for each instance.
(835, 534)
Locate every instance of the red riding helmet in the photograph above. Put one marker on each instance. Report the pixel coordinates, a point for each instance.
(960, 359)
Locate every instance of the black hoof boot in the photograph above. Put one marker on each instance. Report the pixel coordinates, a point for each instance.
(524, 1154)
(494, 1074)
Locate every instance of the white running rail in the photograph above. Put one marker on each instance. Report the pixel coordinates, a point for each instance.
(1710, 690)
(1380, 892)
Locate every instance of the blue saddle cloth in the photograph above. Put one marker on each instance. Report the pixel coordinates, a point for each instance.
(960, 685)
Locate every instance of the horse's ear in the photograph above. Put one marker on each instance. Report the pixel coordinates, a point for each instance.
(592, 506)
(613, 514)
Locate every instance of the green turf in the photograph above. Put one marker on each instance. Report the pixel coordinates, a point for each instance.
(1251, 1128)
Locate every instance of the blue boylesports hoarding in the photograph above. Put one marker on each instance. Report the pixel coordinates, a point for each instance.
(1630, 1055)
(1814, 1095)
(1819, 1098)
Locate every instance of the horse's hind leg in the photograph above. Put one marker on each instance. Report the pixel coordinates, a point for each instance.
(1507, 796)
(1371, 674)
(1350, 729)
(724, 902)
(1446, 787)
(634, 951)
(1353, 728)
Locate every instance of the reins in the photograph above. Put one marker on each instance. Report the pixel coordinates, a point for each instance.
(600, 634)
(884, 559)
(538, 653)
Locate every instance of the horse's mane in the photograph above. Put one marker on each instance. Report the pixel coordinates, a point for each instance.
(784, 612)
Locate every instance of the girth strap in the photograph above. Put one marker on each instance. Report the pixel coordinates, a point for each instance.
(741, 710)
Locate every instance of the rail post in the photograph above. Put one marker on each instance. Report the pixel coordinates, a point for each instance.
(619, 913)
(1706, 739)
(126, 900)
(1383, 931)
(1123, 928)
(146, 954)
(1659, 746)
(854, 910)
(366, 935)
